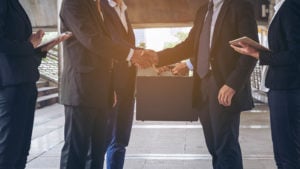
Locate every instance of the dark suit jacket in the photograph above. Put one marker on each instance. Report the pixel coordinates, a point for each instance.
(284, 42)
(123, 75)
(236, 19)
(19, 61)
(88, 55)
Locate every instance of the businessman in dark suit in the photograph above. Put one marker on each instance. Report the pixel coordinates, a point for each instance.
(221, 76)
(87, 81)
(283, 80)
(124, 75)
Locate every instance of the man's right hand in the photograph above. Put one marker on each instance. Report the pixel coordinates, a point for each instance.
(144, 58)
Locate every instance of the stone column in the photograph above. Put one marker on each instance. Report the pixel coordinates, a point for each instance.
(60, 51)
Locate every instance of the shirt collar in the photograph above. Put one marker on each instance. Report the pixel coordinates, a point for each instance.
(278, 5)
(217, 2)
(113, 4)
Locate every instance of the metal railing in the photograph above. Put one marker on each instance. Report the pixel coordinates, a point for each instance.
(259, 71)
(49, 69)
(256, 77)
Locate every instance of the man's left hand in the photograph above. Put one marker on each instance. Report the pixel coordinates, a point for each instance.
(225, 95)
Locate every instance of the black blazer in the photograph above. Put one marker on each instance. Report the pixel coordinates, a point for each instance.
(236, 19)
(284, 42)
(19, 61)
(123, 75)
(87, 70)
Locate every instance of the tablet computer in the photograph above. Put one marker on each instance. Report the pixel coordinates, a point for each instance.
(248, 41)
(48, 41)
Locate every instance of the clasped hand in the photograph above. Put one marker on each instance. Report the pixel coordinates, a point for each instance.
(144, 58)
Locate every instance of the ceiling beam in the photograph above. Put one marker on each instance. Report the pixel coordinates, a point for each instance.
(142, 13)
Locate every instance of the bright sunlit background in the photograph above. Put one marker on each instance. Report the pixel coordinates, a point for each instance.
(160, 38)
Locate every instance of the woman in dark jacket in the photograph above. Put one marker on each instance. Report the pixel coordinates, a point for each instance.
(19, 61)
(283, 80)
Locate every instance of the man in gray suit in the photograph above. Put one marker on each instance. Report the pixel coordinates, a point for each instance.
(87, 80)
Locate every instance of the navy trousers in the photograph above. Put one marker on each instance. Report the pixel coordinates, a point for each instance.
(285, 125)
(119, 130)
(85, 138)
(220, 127)
(17, 106)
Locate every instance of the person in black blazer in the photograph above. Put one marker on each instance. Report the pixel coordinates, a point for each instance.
(19, 61)
(225, 90)
(283, 80)
(124, 75)
(86, 85)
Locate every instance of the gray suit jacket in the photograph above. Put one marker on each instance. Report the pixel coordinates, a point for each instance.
(88, 56)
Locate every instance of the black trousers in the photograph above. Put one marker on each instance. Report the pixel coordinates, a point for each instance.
(85, 133)
(221, 128)
(285, 126)
(17, 106)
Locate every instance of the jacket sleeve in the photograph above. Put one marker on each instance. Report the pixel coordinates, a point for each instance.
(246, 25)
(12, 47)
(182, 51)
(291, 30)
(75, 16)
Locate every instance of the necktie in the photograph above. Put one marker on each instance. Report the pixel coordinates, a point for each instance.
(204, 44)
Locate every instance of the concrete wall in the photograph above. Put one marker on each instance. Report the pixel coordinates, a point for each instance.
(158, 13)
(43, 13)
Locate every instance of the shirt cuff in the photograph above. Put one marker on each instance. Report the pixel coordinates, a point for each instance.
(131, 52)
(189, 64)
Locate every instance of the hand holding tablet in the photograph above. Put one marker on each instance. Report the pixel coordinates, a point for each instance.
(47, 45)
(248, 41)
(247, 46)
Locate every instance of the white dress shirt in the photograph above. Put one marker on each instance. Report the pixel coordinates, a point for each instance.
(216, 11)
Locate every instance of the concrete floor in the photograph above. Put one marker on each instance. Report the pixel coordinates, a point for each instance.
(158, 145)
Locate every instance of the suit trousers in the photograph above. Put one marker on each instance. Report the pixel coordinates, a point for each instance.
(285, 125)
(85, 133)
(119, 130)
(220, 126)
(17, 106)
(121, 117)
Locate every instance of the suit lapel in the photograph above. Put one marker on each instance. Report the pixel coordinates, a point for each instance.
(95, 12)
(113, 15)
(130, 29)
(219, 22)
(117, 19)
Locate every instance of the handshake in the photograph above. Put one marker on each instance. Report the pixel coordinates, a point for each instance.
(144, 58)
